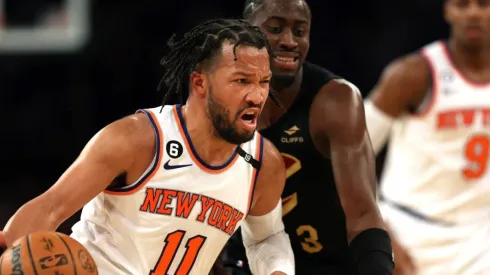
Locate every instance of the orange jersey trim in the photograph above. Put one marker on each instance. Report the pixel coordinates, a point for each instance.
(128, 190)
(192, 152)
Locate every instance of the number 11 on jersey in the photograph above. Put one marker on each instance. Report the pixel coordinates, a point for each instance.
(172, 243)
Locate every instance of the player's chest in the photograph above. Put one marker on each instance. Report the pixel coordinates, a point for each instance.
(290, 133)
(162, 207)
(462, 113)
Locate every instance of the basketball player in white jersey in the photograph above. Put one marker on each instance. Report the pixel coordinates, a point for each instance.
(164, 189)
(435, 107)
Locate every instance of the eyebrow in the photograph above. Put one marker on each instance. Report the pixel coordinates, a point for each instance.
(300, 21)
(242, 73)
(249, 74)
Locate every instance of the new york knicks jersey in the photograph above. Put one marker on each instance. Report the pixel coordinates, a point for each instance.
(437, 163)
(178, 216)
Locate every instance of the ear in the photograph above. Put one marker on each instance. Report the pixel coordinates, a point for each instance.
(199, 83)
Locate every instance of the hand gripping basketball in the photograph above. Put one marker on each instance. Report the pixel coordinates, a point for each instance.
(47, 253)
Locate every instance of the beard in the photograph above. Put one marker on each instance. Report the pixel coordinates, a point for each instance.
(223, 126)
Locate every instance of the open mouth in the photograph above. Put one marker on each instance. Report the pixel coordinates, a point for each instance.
(473, 30)
(249, 119)
(286, 60)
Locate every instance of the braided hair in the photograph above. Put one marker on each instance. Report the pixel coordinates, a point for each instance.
(200, 45)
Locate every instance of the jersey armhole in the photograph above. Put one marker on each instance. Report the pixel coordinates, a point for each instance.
(152, 168)
(430, 97)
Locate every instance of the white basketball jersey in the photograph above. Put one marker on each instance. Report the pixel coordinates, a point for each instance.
(437, 163)
(178, 216)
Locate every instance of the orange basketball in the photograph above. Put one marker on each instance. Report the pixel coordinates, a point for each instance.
(47, 253)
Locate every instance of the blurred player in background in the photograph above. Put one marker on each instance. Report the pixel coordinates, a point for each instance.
(164, 189)
(435, 106)
(318, 124)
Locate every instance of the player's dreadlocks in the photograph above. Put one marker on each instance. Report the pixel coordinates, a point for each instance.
(202, 44)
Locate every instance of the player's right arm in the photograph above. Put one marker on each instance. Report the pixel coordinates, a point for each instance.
(402, 87)
(115, 150)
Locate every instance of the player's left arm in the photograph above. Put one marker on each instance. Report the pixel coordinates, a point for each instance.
(267, 245)
(338, 129)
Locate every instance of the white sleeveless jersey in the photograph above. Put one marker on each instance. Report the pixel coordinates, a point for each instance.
(437, 163)
(178, 216)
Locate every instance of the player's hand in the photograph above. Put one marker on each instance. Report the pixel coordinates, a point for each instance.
(403, 261)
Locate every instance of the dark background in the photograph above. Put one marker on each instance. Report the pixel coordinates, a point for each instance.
(52, 103)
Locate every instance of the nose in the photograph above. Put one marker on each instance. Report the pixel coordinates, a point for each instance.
(287, 40)
(255, 97)
(474, 10)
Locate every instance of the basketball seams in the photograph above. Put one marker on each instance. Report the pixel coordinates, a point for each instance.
(69, 251)
(30, 254)
(42, 253)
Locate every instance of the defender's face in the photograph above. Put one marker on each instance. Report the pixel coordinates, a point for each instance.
(287, 27)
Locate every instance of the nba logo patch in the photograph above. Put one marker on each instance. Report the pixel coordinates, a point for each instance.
(239, 263)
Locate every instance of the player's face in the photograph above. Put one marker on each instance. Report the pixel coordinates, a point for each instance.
(470, 20)
(287, 26)
(237, 91)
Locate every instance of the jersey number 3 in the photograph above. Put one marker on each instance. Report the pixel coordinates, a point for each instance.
(308, 233)
(476, 152)
(172, 243)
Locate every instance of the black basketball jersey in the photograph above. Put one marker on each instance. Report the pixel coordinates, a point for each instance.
(312, 213)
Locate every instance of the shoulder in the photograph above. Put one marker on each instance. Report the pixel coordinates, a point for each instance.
(335, 99)
(270, 182)
(411, 67)
(135, 128)
(122, 146)
(272, 161)
(129, 135)
(340, 89)
(337, 116)
(272, 172)
(407, 76)
(318, 73)
(403, 84)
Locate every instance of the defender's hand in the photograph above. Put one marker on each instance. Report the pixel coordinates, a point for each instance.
(404, 264)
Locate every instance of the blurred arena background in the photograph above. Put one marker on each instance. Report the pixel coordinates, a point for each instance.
(69, 67)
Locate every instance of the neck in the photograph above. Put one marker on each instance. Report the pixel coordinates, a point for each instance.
(290, 89)
(210, 148)
(476, 57)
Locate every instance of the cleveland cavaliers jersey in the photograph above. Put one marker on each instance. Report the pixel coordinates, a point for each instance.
(178, 216)
(437, 163)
